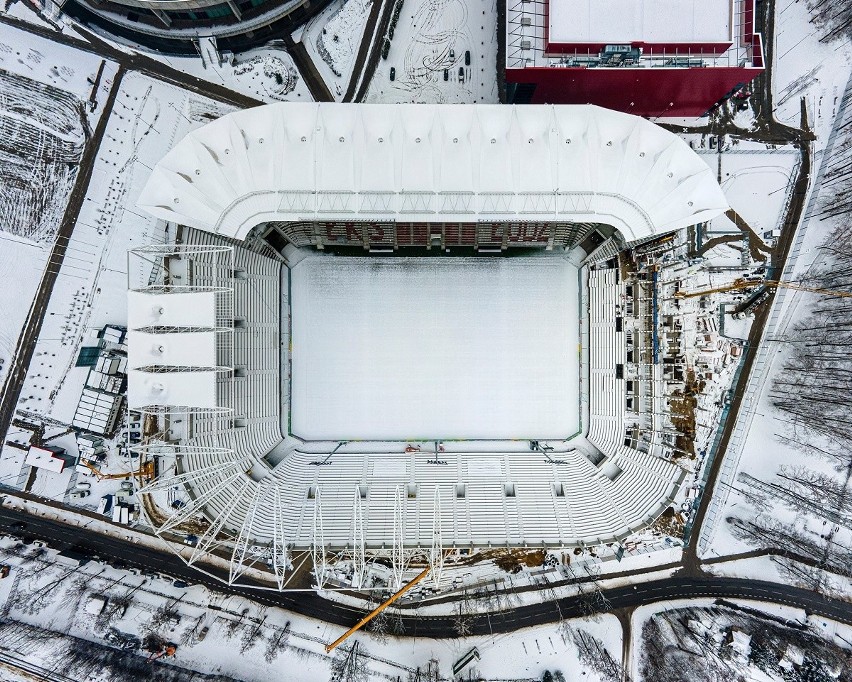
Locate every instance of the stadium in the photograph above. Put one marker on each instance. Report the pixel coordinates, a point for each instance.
(399, 335)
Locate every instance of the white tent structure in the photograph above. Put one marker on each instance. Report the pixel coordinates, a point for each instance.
(302, 161)
(185, 309)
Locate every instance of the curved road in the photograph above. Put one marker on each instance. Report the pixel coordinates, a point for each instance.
(94, 544)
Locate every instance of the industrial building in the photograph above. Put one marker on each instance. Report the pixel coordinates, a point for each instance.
(645, 57)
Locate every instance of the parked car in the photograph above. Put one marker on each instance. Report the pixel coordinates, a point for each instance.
(80, 494)
(467, 57)
(393, 73)
(461, 74)
(452, 55)
(446, 74)
(180, 584)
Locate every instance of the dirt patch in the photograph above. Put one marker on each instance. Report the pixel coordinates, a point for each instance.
(513, 560)
(670, 523)
(149, 425)
(191, 526)
(682, 404)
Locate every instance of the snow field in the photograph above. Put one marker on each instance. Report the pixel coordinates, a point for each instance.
(333, 39)
(757, 447)
(757, 184)
(60, 66)
(22, 263)
(23, 55)
(425, 348)
(267, 74)
(805, 67)
(431, 36)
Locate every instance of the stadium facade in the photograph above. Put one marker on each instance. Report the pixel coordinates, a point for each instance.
(206, 27)
(252, 200)
(645, 57)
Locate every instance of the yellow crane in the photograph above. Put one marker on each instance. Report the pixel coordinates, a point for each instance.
(745, 284)
(145, 469)
(376, 611)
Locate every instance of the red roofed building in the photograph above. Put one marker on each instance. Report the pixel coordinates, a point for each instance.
(646, 57)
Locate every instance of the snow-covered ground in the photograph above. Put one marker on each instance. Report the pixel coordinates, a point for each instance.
(266, 73)
(696, 635)
(431, 40)
(450, 348)
(60, 66)
(44, 124)
(756, 448)
(246, 640)
(806, 67)
(758, 184)
(333, 39)
(27, 260)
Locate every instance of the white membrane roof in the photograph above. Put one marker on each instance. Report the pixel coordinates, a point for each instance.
(184, 309)
(305, 161)
(187, 349)
(183, 389)
(650, 21)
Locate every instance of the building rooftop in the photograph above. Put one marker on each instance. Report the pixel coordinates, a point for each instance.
(640, 21)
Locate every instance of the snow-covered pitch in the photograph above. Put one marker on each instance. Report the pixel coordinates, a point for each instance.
(434, 348)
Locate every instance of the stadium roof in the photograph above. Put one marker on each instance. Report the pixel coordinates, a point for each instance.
(180, 389)
(432, 163)
(193, 349)
(182, 309)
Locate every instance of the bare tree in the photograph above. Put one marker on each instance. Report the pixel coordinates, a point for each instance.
(252, 632)
(594, 654)
(348, 665)
(276, 643)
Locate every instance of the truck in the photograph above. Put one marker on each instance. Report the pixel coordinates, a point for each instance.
(105, 505)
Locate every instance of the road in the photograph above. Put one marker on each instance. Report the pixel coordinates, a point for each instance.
(368, 61)
(308, 70)
(93, 543)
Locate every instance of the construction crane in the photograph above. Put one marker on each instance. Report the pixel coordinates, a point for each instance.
(145, 469)
(772, 284)
(376, 611)
(37, 429)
